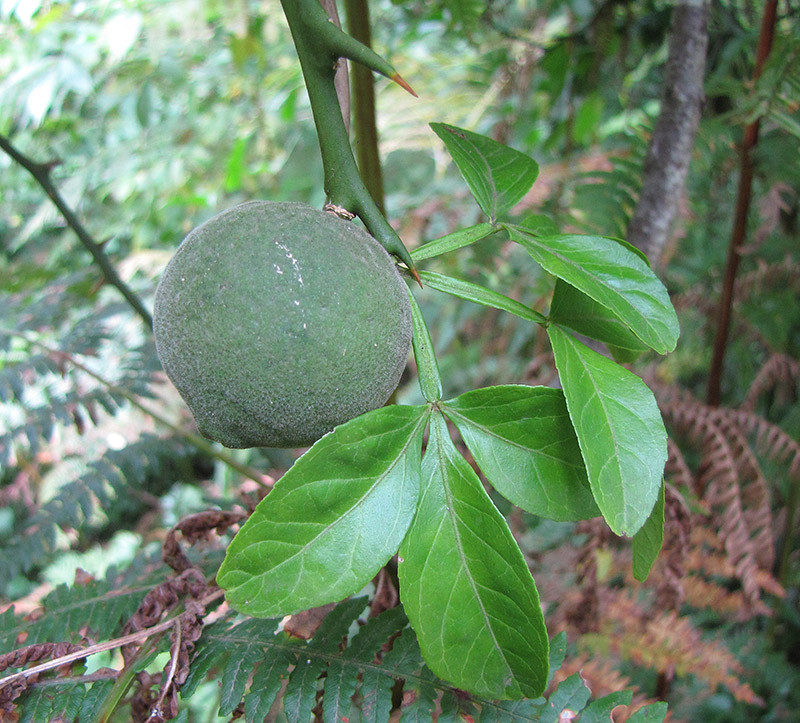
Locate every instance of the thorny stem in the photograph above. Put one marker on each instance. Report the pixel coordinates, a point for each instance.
(102, 647)
(201, 443)
(319, 44)
(41, 173)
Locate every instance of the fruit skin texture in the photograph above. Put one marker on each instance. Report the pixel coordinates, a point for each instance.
(277, 321)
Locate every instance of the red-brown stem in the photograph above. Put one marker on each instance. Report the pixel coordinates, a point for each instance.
(743, 198)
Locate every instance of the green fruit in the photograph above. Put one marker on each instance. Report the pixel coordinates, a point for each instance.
(276, 322)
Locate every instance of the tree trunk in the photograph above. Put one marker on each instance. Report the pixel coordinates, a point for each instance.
(667, 161)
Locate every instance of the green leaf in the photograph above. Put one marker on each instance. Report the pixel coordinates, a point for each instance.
(465, 586)
(558, 651)
(480, 295)
(497, 176)
(613, 276)
(430, 382)
(452, 241)
(648, 540)
(539, 225)
(599, 711)
(236, 165)
(653, 713)
(523, 441)
(571, 694)
(587, 119)
(333, 520)
(583, 314)
(620, 432)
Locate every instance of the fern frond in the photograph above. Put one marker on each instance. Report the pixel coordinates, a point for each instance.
(41, 393)
(676, 469)
(337, 675)
(780, 274)
(771, 440)
(721, 486)
(606, 194)
(73, 613)
(778, 372)
(753, 491)
(150, 464)
(55, 702)
(668, 641)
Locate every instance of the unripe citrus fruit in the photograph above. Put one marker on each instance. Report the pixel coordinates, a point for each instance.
(277, 321)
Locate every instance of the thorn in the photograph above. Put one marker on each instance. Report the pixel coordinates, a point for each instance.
(416, 277)
(402, 83)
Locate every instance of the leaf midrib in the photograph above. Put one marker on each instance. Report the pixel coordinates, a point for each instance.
(443, 456)
(496, 435)
(357, 505)
(601, 401)
(623, 298)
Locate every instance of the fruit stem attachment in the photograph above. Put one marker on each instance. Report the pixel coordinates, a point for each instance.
(320, 44)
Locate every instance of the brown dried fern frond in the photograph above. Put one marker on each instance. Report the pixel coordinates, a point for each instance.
(753, 490)
(719, 486)
(771, 440)
(666, 643)
(677, 471)
(783, 273)
(672, 641)
(671, 564)
(779, 372)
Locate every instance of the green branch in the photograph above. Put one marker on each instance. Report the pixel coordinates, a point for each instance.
(41, 173)
(319, 44)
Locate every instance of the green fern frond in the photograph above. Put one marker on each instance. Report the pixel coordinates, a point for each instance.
(350, 670)
(605, 197)
(63, 702)
(150, 464)
(40, 393)
(71, 613)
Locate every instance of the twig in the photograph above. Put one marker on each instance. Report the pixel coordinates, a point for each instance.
(173, 664)
(41, 173)
(102, 647)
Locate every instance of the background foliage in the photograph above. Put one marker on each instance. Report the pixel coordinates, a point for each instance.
(161, 114)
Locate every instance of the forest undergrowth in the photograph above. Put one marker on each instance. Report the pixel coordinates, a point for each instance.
(115, 514)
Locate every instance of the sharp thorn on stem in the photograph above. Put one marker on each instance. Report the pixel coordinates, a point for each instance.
(397, 78)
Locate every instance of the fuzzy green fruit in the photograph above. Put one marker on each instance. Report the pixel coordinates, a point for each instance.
(277, 321)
